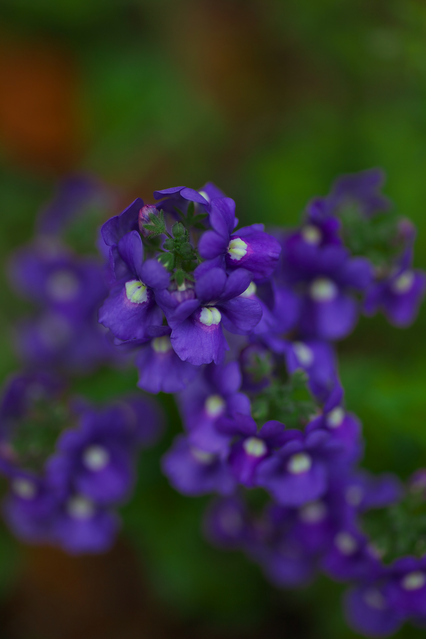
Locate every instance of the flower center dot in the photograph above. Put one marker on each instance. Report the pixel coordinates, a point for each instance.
(214, 405)
(403, 283)
(255, 447)
(204, 195)
(210, 316)
(250, 290)
(237, 249)
(63, 286)
(313, 512)
(335, 417)
(354, 495)
(374, 599)
(202, 456)
(299, 463)
(162, 344)
(80, 507)
(96, 458)
(24, 488)
(323, 290)
(311, 234)
(414, 581)
(136, 292)
(303, 353)
(346, 543)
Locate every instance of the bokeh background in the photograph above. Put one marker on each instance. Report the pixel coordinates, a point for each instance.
(270, 99)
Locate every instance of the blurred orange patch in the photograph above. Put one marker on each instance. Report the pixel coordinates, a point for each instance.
(38, 105)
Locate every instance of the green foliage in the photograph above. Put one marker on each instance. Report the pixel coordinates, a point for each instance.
(289, 402)
(399, 530)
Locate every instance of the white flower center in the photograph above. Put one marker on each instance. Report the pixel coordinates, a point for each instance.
(403, 283)
(346, 543)
(311, 234)
(413, 581)
(96, 458)
(136, 292)
(202, 456)
(210, 316)
(250, 290)
(313, 512)
(214, 405)
(299, 463)
(79, 507)
(323, 290)
(62, 286)
(335, 417)
(304, 354)
(24, 488)
(204, 195)
(237, 249)
(255, 447)
(374, 599)
(162, 344)
(354, 495)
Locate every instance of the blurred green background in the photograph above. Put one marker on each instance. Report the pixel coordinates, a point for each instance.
(271, 100)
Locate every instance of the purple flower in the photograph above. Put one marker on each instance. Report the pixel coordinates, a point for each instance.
(321, 228)
(284, 557)
(227, 523)
(250, 247)
(178, 197)
(360, 189)
(350, 556)
(318, 360)
(213, 395)
(55, 279)
(38, 513)
(80, 525)
(98, 457)
(399, 295)
(369, 611)
(193, 471)
(407, 586)
(120, 225)
(251, 447)
(196, 324)
(55, 341)
(29, 507)
(325, 280)
(342, 426)
(160, 369)
(300, 471)
(130, 310)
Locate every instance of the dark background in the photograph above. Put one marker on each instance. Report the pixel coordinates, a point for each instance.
(271, 100)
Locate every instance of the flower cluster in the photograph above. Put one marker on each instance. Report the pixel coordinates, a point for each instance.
(241, 325)
(69, 464)
(66, 288)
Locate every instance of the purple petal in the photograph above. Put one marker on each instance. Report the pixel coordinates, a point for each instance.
(128, 320)
(241, 315)
(212, 244)
(130, 248)
(222, 216)
(210, 286)
(238, 282)
(154, 275)
(199, 344)
(115, 228)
